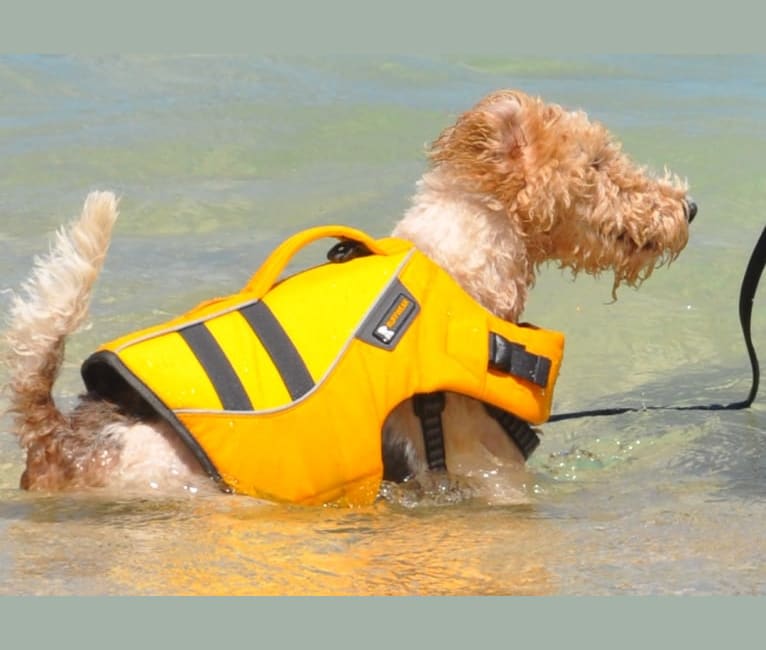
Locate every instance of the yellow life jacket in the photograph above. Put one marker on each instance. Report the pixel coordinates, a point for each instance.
(281, 390)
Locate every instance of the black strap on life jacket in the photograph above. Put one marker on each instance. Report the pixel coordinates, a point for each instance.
(505, 356)
(746, 295)
(428, 407)
(516, 429)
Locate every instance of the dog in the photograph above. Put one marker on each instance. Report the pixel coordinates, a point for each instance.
(513, 184)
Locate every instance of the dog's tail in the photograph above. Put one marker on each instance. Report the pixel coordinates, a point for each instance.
(52, 304)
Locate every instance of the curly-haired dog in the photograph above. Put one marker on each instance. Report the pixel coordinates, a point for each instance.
(514, 183)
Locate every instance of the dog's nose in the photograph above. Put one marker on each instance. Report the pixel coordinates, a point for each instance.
(690, 207)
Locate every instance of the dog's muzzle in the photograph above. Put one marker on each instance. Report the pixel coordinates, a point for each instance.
(690, 209)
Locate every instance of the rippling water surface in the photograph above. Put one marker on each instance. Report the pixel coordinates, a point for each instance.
(217, 159)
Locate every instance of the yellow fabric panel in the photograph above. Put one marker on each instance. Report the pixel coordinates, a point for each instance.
(199, 313)
(250, 360)
(165, 359)
(320, 310)
(454, 323)
(327, 449)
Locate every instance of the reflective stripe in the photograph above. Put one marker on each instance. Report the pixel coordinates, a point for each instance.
(283, 353)
(211, 357)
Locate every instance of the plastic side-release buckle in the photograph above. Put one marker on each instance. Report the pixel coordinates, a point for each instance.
(514, 359)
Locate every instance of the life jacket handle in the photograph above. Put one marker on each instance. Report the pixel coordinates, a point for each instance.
(268, 274)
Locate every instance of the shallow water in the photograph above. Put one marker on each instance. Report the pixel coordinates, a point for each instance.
(217, 159)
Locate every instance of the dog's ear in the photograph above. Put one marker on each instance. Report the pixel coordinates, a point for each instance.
(484, 148)
(504, 117)
(491, 131)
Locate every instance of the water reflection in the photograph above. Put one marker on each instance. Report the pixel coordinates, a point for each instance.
(84, 544)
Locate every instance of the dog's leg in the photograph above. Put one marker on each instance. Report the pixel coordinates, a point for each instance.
(473, 441)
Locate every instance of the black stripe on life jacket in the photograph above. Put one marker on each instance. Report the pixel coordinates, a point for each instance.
(275, 341)
(283, 353)
(222, 375)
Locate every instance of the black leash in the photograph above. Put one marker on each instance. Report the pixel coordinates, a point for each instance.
(746, 295)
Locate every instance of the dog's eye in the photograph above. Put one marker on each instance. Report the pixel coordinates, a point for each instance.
(596, 163)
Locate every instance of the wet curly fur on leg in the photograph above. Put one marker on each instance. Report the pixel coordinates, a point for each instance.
(513, 184)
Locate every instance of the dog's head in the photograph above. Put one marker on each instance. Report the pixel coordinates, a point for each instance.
(565, 181)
